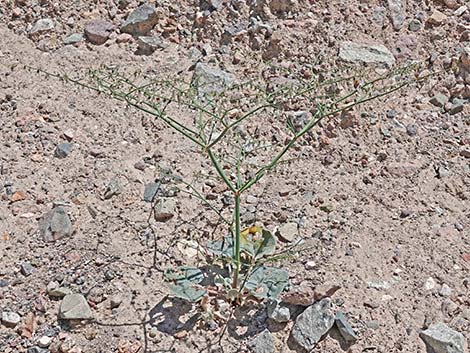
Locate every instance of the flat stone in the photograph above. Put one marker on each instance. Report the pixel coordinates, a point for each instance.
(366, 53)
(10, 319)
(211, 80)
(288, 231)
(313, 323)
(44, 341)
(345, 328)
(42, 25)
(97, 31)
(439, 100)
(147, 45)
(36, 349)
(442, 339)
(379, 285)
(165, 209)
(73, 38)
(55, 225)
(75, 307)
(56, 291)
(140, 21)
(263, 343)
(456, 107)
(63, 150)
(150, 191)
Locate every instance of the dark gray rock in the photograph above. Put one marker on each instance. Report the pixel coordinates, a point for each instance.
(55, 225)
(411, 130)
(312, 324)
(63, 150)
(442, 339)
(147, 45)
(366, 53)
(263, 343)
(97, 31)
(36, 349)
(345, 328)
(150, 191)
(211, 80)
(456, 107)
(75, 307)
(140, 21)
(415, 25)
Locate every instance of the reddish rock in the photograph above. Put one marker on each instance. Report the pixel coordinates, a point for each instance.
(98, 31)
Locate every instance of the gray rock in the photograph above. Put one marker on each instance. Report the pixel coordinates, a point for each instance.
(345, 328)
(147, 45)
(140, 21)
(373, 324)
(55, 225)
(10, 319)
(73, 38)
(263, 343)
(439, 100)
(63, 150)
(26, 269)
(288, 231)
(379, 285)
(150, 191)
(54, 290)
(277, 311)
(411, 130)
(415, 25)
(42, 25)
(114, 188)
(298, 119)
(97, 31)
(456, 107)
(36, 349)
(445, 291)
(165, 209)
(397, 13)
(365, 53)
(75, 307)
(313, 323)
(211, 80)
(442, 339)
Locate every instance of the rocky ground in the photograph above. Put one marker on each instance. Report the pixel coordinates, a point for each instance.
(380, 197)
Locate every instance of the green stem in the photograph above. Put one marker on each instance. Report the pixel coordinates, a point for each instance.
(237, 238)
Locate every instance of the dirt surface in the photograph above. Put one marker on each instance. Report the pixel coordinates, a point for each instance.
(382, 203)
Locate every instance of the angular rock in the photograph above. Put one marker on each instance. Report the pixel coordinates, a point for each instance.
(436, 18)
(263, 343)
(397, 13)
(288, 231)
(114, 188)
(36, 349)
(365, 53)
(55, 225)
(313, 323)
(26, 269)
(150, 191)
(277, 311)
(439, 100)
(97, 31)
(456, 107)
(414, 25)
(140, 21)
(75, 307)
(211, 80)
(10, 319)
(63, 150)
(165, 209)
(42, 25)
(345, 328)
(73, 38)
(147, 45)
(442, 339)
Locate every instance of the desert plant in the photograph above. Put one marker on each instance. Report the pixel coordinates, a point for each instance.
(220, 129)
